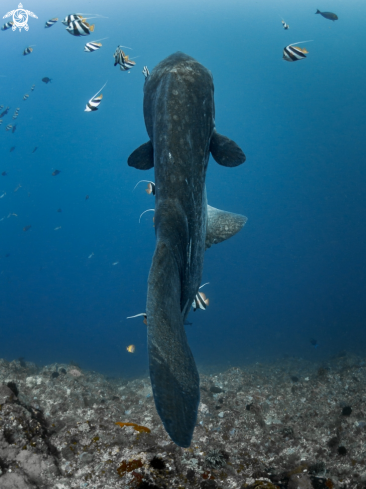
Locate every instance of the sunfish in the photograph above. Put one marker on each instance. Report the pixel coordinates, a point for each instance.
(327, 15)
(179, 113)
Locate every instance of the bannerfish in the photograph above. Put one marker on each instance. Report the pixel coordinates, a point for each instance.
(122, 59)
(294, 53)
(7, 26)
(327, 15)
(80, 28)
(72, 18)
(56, 172)
(180, 89)
(26, 228)
(9, 127)
(200, 301)
(25, 96)
(51, 22)
(27, 50)
(32, 87)
(143, 314)
(146, 71)
(285, 26)
(95, 101)
(150, 186)
(93, 45)
(131, 348)
(46, 80)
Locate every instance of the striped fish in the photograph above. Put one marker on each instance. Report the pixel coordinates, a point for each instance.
(32, 87)
(146, 72)
(51, 22)
(200, 301)
(27, 50)
(7, 26)
(285, 26)
(16, 113)
(25, 96)
(122, 59)
(80, 28)
(95, 101)
(93, 45)
(294, 53)
(8, 127)
(72, 18)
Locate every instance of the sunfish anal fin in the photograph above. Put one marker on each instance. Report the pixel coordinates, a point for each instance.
(222, 225)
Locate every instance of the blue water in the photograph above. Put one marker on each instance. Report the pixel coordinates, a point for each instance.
(297, 269)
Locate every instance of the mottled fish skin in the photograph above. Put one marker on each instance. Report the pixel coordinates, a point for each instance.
(179, 114)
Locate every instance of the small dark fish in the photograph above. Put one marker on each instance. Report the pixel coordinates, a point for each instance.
(4, 112)
(56, 172)
(12, 149)
(328, 15)
(314, 342)
(7, 255)
(26, 228)
(14, 129)
(59, 210)
(35, 149)
(87, 197)
(46, 79)
(32, 87)
(4, 174)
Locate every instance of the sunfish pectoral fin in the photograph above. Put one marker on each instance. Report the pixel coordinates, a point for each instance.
(225, 151)
(173, 372)
(143, 157)
(222, 225)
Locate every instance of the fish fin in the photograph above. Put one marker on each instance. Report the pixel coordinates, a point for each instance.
(222, 225)
(225, 151)
(143, 157)
(92, 27)
(317, 11)
(173, 372)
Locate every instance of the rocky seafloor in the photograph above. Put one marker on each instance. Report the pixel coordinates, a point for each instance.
(289, 424)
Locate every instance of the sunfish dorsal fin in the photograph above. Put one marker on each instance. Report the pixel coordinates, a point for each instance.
(225, 151)
(143, 157)
(222, 225)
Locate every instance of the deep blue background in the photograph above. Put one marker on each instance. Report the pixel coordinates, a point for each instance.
(296, 271)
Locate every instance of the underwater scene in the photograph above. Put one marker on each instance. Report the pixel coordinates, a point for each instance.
(182, 262)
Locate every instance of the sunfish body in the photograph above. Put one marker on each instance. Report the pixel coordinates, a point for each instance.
(179, 114)
(328, 15)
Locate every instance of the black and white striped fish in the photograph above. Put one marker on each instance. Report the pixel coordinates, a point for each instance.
(7, 26)
(200, 301)
(80, 28)
(294, 53)
(25, 96)
(51, 22)
(27, 50)
(93, 45)
(32, 87)
(71, 18)
(95, 101)
(8, 127)
(285, 26)
(122, 59)
(146, 72)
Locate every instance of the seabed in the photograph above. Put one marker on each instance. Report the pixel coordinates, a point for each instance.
(288, 424)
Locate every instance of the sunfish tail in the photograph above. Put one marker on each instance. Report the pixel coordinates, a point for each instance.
(173, 372)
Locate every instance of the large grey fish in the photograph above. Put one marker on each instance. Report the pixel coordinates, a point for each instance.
(179, 114)
(327, 15)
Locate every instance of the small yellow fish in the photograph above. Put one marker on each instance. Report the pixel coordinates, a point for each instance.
(131, 348)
